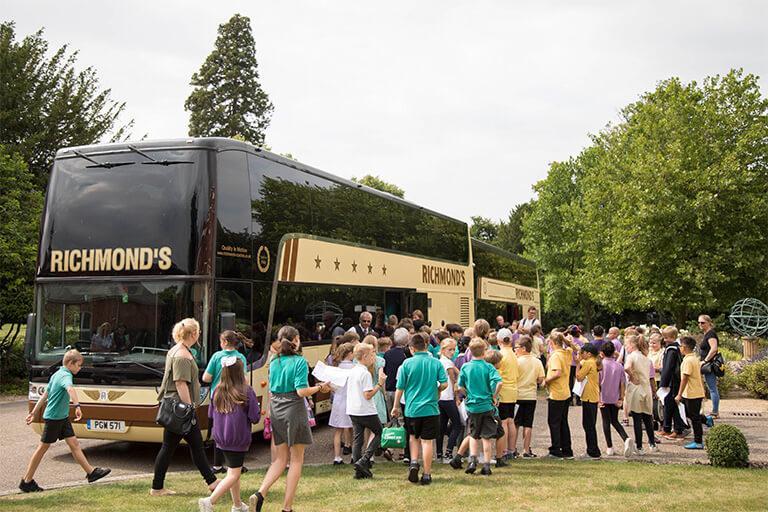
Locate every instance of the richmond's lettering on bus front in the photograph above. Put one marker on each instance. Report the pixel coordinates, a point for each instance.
(431, 274)
(110, 260)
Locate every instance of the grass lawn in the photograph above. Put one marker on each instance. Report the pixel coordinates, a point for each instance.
(525, 486)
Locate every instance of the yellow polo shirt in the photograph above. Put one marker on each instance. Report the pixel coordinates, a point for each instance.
(560, 360)
(588, 370)
(509, 372)
(691, 368)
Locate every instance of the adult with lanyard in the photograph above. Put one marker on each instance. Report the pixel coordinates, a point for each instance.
(288, 386)
(708, 350)
(181, 381)
(531, 319)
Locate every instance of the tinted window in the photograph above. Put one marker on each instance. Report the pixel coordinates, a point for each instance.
(286, 200)
(495, 264)
(90, 210)
(321, 312)
(233, 215)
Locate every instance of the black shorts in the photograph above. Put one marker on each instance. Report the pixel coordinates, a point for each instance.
(525, 412)
(423, 427)
(482, 425)
(499, 428)
(233, 459)
(506, 410)
(55, 430)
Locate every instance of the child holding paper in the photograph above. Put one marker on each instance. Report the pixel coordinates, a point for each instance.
(589, 364)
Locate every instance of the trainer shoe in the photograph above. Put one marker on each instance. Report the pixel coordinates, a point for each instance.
(346, 450)
(675, 436)
(242, 508)
(361, 467)
(550, 456)
(30, 486)
(653, 448)
(639, 452)
(710, 421)
(425, 479)
(413, 473)
(219, 470)
(586, 456)
(338, 462)
(205, 504)
(609, 451)
(628, 447)
(486, 470)
(98, 473)
(529, 455)
(455, 462)
(471, 467)
(500, 463)
(694, 446)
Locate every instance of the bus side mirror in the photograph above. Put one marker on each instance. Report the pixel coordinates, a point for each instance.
(29, 337)
(226, 322)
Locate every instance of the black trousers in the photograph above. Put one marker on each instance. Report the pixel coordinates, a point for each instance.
(639, 420)
(560, 434)
(448, 412)
(672, 413)
(693, 411)
(170, 441)
(610, 414)
(359, 424)
(589, 422)
(571, 380)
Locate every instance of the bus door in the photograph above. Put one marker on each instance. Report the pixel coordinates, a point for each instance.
(393, 303)
(416, 300)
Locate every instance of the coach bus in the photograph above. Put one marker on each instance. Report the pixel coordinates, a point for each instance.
(137, 236)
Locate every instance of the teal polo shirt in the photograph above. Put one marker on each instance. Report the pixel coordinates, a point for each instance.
(214, 365)
(419, 377)
(57, 407)
(288, 373)
(480, 380)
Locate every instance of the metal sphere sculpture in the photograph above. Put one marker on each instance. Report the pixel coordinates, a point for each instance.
(749, 317)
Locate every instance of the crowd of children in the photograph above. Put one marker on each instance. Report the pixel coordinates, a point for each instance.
(478, 387)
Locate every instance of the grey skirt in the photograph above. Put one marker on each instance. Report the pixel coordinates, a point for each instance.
(290, 423)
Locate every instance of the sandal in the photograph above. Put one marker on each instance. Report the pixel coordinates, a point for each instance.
(715, 415)
(388, 455)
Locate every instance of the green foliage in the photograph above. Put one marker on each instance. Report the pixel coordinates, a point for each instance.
(484, 229)
(727, 382)
(729, 354)
(511, 232)
(227, 99)
(45, 104)
(754, 378)
(379, 184)
(727, 447)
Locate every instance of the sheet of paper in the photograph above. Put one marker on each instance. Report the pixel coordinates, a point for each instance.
(662, 393)
(578, 387)
(681, 407)
(336, 376)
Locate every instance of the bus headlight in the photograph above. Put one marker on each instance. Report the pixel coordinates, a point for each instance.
(36, 391)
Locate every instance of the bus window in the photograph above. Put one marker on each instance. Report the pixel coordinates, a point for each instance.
(234, 257)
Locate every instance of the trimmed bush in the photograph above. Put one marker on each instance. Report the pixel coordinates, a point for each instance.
(727, 447)
(754, 378)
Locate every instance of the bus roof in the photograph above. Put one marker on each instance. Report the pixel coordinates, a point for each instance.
(223, 144)
(501, 252)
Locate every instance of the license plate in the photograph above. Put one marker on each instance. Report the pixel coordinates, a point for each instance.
(106, 425)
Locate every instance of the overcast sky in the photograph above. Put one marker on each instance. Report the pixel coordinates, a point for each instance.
(461, 104)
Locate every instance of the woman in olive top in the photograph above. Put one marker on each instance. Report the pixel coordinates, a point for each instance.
(182, 381)
(288, 386)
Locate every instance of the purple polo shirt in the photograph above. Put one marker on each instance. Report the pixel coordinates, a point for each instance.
(611, 378)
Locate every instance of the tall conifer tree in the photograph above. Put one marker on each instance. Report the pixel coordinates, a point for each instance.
(227, 99)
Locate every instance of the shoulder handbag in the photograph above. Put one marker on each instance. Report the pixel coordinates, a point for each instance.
(715, 365)
(174, 415)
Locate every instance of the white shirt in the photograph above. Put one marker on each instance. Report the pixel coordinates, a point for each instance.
(359, 380)
(447, 393)
(527, 323)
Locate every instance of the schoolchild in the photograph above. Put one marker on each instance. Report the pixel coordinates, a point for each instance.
(612, 387)
(339, 419)
(589, 364)
(510, 373)
(558, 375)
(56, 400)
(656, 355)
(449, 411)
(234, 407)
(229, 341)
(495, 359)
(639, 401)
(361, 407)
(421, 380)
(481, 384)
(691, 390)
(672, 423)
(531, 374)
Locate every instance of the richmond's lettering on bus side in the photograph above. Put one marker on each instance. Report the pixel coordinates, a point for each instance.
(431, 274)
(116, 259)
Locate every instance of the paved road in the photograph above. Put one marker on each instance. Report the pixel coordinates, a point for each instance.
(17, 442)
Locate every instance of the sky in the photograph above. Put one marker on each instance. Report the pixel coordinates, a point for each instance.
(463, 105)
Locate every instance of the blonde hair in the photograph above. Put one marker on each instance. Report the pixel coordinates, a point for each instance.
(482, 328)
(494, 357)
(72, 356)
(371, 340)
(361, 350)
(103, 330)
(670, 332)
(477, 347)
(342, 351)
(185, 329)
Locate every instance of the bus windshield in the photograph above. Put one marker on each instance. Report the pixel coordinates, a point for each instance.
(118, 322)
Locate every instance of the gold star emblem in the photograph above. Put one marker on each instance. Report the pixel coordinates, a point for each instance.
(384, 269)
(337, 263)
(354, 266)
(317, 261)
(370, 268)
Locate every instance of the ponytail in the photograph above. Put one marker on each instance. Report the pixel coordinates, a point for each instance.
(285, 337)
(235, 338)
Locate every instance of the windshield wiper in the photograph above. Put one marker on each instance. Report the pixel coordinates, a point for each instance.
(116, 363)
(153, 161)
(105, 165)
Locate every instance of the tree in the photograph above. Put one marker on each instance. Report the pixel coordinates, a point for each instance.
(484, 229)
(20, 208)
(227, 99)
(46, 105)
(379, 184)
(511, 232)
